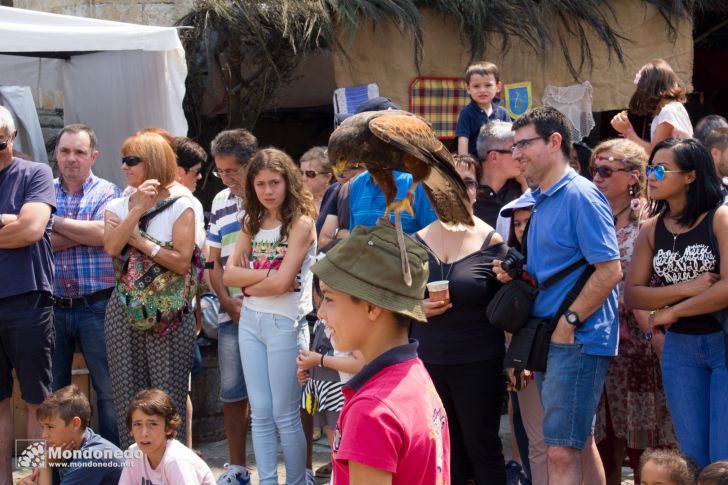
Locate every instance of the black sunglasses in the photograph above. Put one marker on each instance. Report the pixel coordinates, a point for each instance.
(4, 144)
(604, 171)
(313, 173)
(131, 161)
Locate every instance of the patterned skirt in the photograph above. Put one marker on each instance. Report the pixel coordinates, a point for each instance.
(320, 396)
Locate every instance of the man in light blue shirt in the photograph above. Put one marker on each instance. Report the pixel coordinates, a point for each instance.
(367, 203)
(571, 220)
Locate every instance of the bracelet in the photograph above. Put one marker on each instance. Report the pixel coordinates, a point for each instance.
(322, 361)
(155, 251)
(245, 293)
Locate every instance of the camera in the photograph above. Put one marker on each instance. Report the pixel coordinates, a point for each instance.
(513, 263)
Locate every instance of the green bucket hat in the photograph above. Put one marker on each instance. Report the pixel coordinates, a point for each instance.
(367, 266)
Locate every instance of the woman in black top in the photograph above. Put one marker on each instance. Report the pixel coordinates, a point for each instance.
(677, 273)
(462, 351)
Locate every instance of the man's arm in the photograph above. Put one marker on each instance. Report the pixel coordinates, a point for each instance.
(28, 228)
(229, 304)
(88, 233)
(595, 292)
(60, 242)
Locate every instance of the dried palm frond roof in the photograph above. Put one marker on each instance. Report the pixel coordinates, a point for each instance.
(261, 41)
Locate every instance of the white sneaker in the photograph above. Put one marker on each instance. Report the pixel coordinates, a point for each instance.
(234, 475)
(310, 480)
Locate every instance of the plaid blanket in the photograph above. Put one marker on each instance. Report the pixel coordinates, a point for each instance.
(439, 100)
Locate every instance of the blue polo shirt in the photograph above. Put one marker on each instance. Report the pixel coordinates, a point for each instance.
(367, 203)
(572, 220)
(473, 117)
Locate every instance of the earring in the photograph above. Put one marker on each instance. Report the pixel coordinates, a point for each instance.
(632, 190)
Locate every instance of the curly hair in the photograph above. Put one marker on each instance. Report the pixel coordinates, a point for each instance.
(682, 470)
(298, 201)
(657, 81)
(155, 402)
(635, 159)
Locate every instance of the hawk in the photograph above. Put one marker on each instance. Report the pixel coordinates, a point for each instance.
(398, 140)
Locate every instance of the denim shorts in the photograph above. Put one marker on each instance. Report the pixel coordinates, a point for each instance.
(570, 391)
(232, 381)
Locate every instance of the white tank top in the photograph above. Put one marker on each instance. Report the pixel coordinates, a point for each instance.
(268, 251)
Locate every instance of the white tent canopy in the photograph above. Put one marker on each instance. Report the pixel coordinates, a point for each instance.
(117, 78)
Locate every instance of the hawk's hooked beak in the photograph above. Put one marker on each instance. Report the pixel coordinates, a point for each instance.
(339, 167)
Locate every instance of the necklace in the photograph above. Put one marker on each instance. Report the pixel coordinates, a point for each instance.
(446, 277)
(673, 234)
(621, 211)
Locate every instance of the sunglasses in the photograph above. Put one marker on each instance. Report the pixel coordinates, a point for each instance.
(131, 161)
(313, 173)
(193, 170)
(604, 171)
(659, 171)
(4, 144)
(471, 184)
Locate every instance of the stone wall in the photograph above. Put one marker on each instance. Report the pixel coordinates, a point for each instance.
(148, 12)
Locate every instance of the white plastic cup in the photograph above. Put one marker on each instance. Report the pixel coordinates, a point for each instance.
(439, 291)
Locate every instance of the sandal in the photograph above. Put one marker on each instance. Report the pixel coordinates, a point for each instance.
(323, 471)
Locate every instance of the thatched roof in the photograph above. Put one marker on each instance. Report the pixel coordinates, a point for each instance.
(257, 43)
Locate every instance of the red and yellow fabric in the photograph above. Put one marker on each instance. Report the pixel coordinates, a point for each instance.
(439, 100)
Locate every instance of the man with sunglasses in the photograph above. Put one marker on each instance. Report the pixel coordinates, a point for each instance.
(571, 222)
(26, 306)
(84, 272)
(231, 151)
(500, 176)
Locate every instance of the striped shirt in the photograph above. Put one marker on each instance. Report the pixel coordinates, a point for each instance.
(82, 270)
(227, 211)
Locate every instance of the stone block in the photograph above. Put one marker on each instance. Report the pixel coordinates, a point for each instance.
(162, 14)
(119, 12)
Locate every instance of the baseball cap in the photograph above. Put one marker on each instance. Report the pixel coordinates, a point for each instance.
(380, 103)
(367, 266)
(523, 202)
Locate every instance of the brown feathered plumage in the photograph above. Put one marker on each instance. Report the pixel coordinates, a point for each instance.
(398, 140)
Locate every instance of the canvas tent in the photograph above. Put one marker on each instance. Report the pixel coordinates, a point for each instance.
(115, 77)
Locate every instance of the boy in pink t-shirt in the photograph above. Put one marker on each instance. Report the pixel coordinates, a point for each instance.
(393, 425)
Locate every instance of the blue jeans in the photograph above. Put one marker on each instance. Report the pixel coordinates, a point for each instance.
(85, 325)
(695, 378)
(269, 345)
(570, 390)
(232, 379)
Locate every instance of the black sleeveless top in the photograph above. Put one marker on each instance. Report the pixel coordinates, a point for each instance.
(694, 254)
(463, 334)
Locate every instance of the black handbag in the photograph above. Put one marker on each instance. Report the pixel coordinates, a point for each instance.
(510, 307)
(529, 347)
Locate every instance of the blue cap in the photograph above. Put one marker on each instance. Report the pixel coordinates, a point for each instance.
(523, 202)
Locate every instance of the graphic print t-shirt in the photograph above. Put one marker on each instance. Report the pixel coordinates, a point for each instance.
(684, 258)
(268, 251)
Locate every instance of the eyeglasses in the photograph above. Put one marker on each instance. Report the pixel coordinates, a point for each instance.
(604, 171)
(131, 161)
(659, 171)
(313, 173)
(471, 184)
(230, 173)
(520, 145)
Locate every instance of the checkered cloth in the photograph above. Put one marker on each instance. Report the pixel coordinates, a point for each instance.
(439, 100)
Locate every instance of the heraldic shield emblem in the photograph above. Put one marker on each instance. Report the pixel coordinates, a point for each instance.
(518, 98)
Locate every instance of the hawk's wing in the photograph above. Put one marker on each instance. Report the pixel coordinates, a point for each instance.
(443, 184)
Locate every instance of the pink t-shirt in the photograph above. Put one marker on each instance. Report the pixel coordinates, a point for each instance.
(179, 466)
(393, 420)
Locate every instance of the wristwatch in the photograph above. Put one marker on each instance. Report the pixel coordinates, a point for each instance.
(155, 251)
(572, 318)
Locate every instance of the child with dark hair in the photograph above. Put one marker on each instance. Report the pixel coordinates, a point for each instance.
(714, 474)
(152, 420)
(64, 417)
(666, 467)
(393, 427)
(483, 84)
(660, 94)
